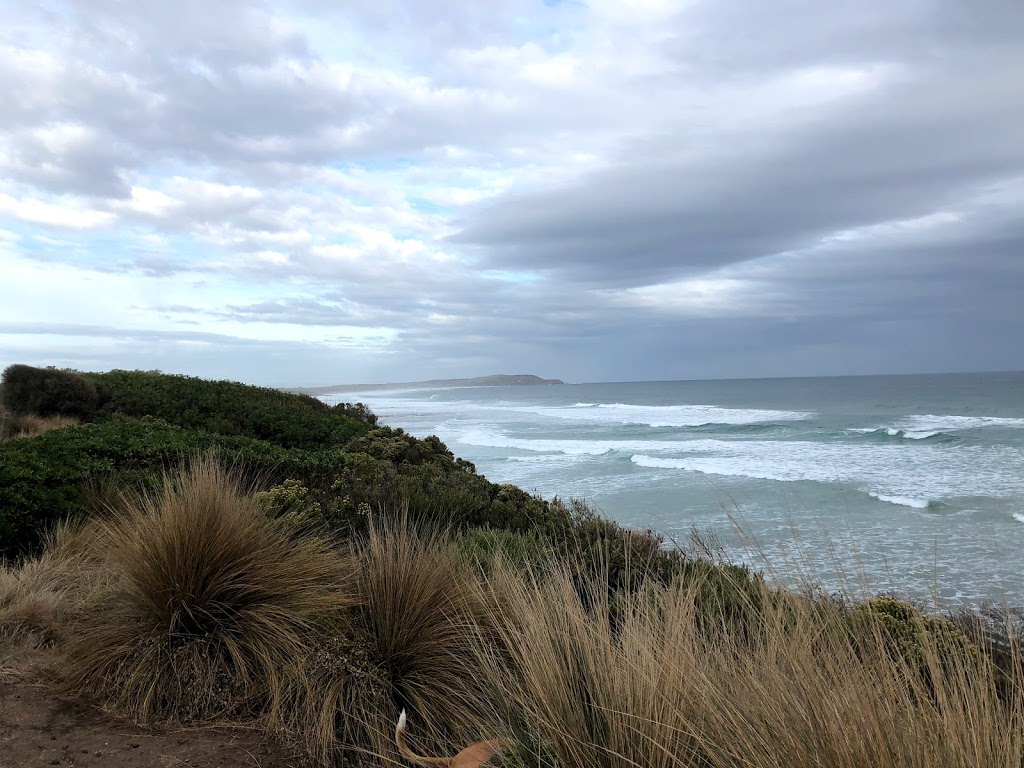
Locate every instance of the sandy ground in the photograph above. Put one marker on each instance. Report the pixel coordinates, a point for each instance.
(39, 728)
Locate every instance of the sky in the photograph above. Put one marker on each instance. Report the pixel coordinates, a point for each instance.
(307, 192)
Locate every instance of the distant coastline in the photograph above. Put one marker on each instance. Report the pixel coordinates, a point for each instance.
(495, 380)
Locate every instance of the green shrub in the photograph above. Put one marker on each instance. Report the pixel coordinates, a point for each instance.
(926, 645)
(227, 408)
(48, 392)
(397, 446)
(483, 547)
(625, 557)
(358, 411)
(44, 479)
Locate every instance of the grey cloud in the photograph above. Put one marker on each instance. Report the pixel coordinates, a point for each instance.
(313, 311)
(100, 331)
(908, 152)
(734, 36)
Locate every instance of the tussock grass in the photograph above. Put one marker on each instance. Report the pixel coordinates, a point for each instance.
(207, 601)
(809, 687)
(40, 599)
(420, 610)
(29, 425)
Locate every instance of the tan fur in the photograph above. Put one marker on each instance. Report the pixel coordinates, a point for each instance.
(473, 756)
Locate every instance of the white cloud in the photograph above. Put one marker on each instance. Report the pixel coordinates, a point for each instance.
(73, 215)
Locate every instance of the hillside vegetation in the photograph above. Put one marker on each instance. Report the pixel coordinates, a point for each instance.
(210, 566)
(141, 424)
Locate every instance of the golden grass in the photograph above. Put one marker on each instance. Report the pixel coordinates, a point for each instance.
(29, 425)
(206, 601)
(40, 599)
(420, 610)
(660, 690)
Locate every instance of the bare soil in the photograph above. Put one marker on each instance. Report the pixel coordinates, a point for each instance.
(40, 728)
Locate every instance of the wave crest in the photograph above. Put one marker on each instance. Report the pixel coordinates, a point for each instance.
(902, 434)
(902, 501)
(667, 415)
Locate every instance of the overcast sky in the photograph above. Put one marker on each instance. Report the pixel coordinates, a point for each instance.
(314, 192)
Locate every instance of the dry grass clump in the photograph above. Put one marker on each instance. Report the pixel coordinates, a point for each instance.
(29, 425)
(655, 688)
(206, 602)
(420, 610)
(40, 600)
(409, 641)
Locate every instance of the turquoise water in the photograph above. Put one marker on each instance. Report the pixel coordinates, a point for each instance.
(878, 483)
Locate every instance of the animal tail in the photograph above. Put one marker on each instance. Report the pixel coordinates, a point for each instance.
(403, 747)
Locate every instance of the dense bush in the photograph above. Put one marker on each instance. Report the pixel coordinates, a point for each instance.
(926, 644)
(44, 479)
(227, 408)
(398, 446)
(48, 392)
(358, 411)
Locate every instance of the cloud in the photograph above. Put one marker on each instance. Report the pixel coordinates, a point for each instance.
(644, 189)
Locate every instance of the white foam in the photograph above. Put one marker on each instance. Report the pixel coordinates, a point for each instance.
(903, 501)
(923, 435)
(932, 422)
(656, 463)
(664, 415)
(896, 432)
(928, 472)
(1018, 517)
(486, 438)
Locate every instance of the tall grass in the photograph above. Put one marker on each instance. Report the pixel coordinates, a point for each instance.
(207, 601)
(807, 687)
(29, 425)
(420, 610)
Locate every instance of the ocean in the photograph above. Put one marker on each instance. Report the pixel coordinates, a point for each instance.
(869, 484)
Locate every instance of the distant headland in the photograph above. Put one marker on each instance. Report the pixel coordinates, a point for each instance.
(495, 380)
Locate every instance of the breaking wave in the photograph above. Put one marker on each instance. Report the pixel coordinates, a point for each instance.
(906, 434)
(666, 415)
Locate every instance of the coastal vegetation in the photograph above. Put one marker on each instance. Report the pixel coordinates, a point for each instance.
(187, 552)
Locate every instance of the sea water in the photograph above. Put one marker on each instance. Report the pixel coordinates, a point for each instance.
(907, 484)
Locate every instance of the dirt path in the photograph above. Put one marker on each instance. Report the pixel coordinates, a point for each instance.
(38, 728)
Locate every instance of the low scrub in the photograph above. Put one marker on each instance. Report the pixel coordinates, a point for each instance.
(227, 408)
(46, 479)
(52, 477)
(148, 421)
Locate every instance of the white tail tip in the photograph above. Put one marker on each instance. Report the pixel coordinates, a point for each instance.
(401, 720)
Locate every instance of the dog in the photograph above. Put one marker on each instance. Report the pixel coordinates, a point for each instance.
(473, 756)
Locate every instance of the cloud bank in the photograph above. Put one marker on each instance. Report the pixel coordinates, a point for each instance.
(292, 192)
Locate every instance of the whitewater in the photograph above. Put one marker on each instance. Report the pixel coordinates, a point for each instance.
(913, 484)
